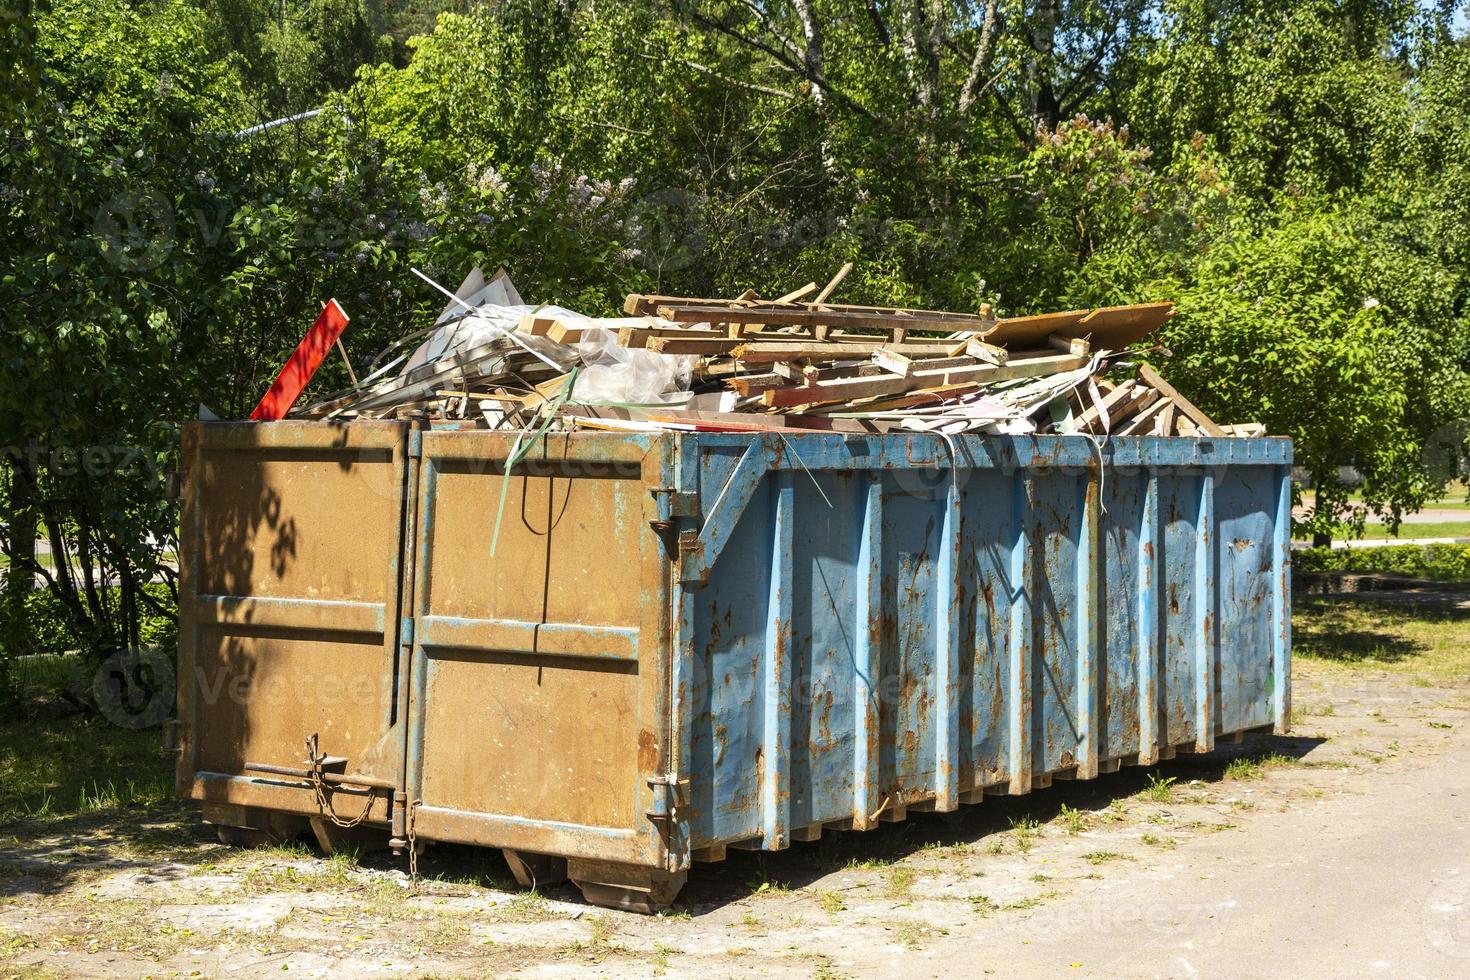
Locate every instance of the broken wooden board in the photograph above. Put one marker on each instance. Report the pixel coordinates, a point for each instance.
(849, 388)
(1151, 378)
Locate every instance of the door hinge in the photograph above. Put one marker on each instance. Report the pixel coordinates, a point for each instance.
(680, 504)
(669, 795)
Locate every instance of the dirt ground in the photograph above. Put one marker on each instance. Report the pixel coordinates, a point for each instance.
(1342, 849)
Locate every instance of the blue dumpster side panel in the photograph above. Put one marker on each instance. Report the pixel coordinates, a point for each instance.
(877, 623)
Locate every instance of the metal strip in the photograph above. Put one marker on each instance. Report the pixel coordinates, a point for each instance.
(529, 834)
(418, 685)
(1281, 607)
(682, 672)
(315, 437)
(1205, 658)
(1148, 652)
(1088, 615)
(294, 614)
(868, 661)
(947, 655)
(724, 514)
(776, 687)
(849, 451)
(602, 643)
(1021, 639)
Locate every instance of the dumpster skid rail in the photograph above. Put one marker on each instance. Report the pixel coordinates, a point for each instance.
(641, 649)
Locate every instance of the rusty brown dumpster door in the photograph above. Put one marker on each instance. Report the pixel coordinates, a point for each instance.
(538, 702)
(290, 550)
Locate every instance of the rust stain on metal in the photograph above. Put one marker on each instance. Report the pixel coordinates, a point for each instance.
(647, 751)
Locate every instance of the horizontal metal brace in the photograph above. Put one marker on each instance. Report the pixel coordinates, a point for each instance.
(335, 778)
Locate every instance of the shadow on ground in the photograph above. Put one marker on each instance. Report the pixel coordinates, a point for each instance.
(163, 841)
(1386, 627)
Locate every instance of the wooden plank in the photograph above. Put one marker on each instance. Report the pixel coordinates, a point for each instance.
(1112, 403)
(983, 351)
(1143, 423)
(834, 282)
(1069, 345)
(648, 305)
(1167, 419)
(797, 294)
(893, 362)
(849, 388)
(1151, 377)
(813, 316)
(1031, 331)
(1115, 327)
(758, 352)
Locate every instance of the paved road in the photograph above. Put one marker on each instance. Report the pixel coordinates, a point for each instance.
(1370, 883)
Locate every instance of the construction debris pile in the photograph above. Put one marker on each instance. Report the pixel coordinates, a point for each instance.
(794, 363)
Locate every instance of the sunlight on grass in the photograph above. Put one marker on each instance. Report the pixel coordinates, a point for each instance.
(1429, 640)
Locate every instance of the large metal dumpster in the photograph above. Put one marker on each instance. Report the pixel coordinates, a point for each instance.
(641, 649)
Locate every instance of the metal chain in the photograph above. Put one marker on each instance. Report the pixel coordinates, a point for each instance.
(319, 786)
(413, 849)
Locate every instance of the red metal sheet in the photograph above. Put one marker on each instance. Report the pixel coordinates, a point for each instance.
(302, 364)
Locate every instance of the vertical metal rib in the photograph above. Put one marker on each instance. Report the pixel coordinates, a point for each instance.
(1149, 589)
(868, 665)
(681, 668)
(1088, 615)
(776, 777)
(1281, 607)
(1020, 641)
(947, 651)
(1204, 617)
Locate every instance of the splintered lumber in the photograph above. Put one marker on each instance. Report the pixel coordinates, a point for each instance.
(979, 349)
(813, 315)
(893, 362)
(848, 388)
(1151, 378)
(1120, 404)
(1167, 417)
(1144, 422)
(721, 421)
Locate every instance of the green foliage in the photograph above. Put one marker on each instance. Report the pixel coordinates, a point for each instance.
(1294, 176)
(1442, 562)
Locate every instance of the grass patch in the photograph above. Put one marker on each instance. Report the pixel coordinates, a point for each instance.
(1254, 767)
(1345, 632)
(1073, 819)
(60, 767)
(1103, 857)
(831, 902)
(1160, 788)
(1438, 529)
(1025, 831)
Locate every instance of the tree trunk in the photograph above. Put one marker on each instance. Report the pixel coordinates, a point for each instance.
(812, 57)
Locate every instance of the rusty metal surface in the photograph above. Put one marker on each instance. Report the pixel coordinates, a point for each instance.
(687, 641)
(290, 548)
(539, 691)
(873, 624)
